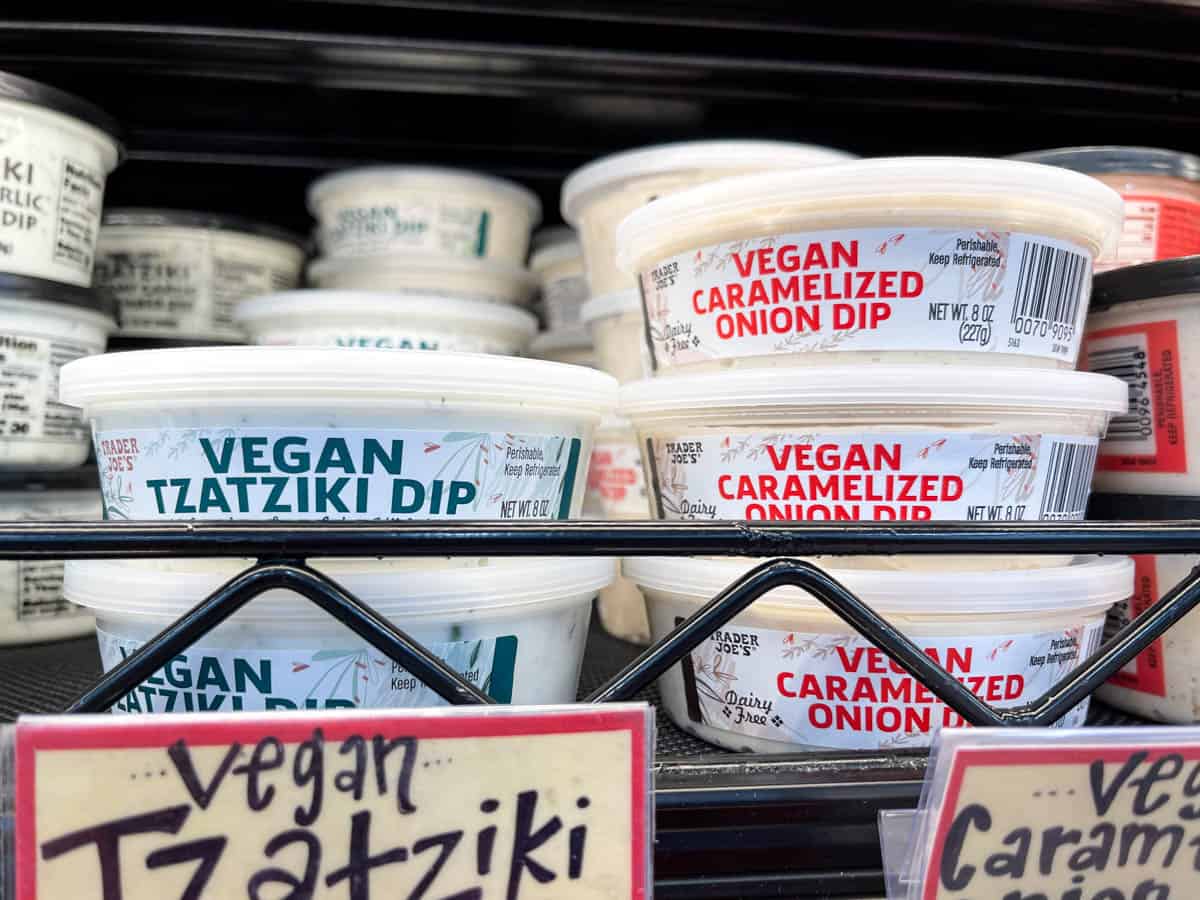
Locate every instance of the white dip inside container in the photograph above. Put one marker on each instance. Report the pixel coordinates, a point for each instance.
(32, 605)
(491, 282)
(618, 330)
(58, 151)
(379, 210)
(516, 629)
(883, 260)
(1145, 330)
(325, 433)
(386, 321)
(596, 197)
(787, 673)
(180, 274)
(44, 325)
(881, 443)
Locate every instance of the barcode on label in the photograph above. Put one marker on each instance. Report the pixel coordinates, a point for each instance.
(1068, 482)
(1127, 362)
(1050, 284)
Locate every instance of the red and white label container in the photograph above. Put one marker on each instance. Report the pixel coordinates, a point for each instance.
(1161, 190)
(884, 260)
(1144, 331)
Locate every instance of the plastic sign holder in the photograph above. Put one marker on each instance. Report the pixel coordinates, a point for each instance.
(1051, 814)
(471, 803)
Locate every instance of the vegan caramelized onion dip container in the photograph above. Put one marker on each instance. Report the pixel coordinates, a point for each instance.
(880, 260)
(381, 210)
(464, 279)
(516, 629)
(1163, 681)
(787, 673)
(559, 268)
(32, 606)
(388, 321)
(180, 274)
(1161, 189)
(44, 325)
(322, 433)
(1144, 329)
(618, 330)
(596, 197)
(58, 151)
(881, 443)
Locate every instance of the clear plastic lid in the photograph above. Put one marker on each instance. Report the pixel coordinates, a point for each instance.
(427, 309)
(146, 217)
(301, 376)
(1084, 583)
(729, 156)
(485, 271)
(575, 337)
(552, 255)
(1102, 160)
(554, 234)
(393, 588)
(964, 189)
(421, 178)
(742, 391)
(613, 304)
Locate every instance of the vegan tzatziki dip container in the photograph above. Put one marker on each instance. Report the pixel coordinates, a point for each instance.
(388, 321)
(319, 433)
(788, 674)
(58, 152)
(180, 274)
(515, 629)
(946, 260)
(423, 210)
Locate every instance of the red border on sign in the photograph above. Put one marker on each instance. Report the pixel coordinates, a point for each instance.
(60, 733)
(1002, 757)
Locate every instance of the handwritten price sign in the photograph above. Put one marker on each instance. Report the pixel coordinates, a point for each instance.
(1109, 814)
(520, 804)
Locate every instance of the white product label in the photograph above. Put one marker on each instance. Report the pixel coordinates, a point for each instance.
(449, 228)
(616, 484)
(917, 289)
(29, 406)
(880, 477)
(839, 690)
(458, 341)
(334, 473)
(217, 679)
(563, 300)
(185, 283)
(40, 591)
(51, 194)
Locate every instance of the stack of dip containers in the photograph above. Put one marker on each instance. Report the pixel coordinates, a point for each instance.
(58, 152)
(1143, 328)
(302, 433)
(595, 198)
(882, 340)
(1161, 190)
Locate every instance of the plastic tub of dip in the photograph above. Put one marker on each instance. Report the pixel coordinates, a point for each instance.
(43, 325)
(178, 274)
(1144, 328)
(618, 330)
(58, 151)
(1161, 189)
(882, 260)
(559, 268)
(491, 282)
(320, 433)
(598, 196)
(423, 210)
(788, 674)
(1163, 681)
(617, 491)
(32, 606)
(386, 321)
(515, 628)
(566, 345)
(878, 443)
